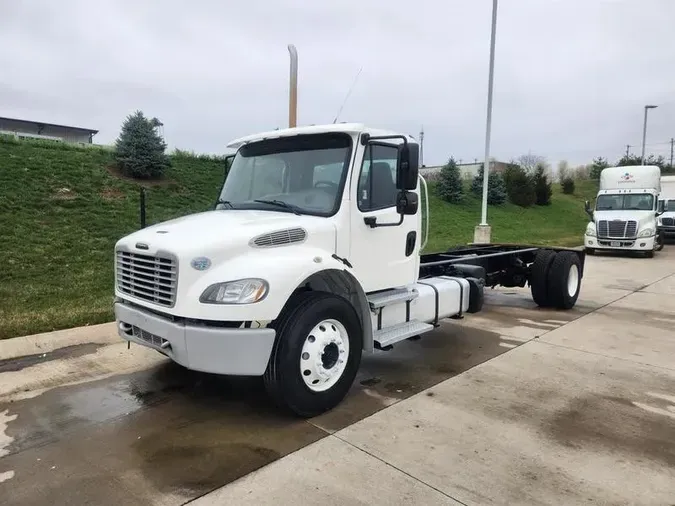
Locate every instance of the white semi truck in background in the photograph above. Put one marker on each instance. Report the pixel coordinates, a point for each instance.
(624, 217)
(666, 221)
(310, 257)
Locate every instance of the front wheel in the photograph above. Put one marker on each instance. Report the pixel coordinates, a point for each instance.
(316, 354)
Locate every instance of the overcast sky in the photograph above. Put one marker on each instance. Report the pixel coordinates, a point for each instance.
(571, 76)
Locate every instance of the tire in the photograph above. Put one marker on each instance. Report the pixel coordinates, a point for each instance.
(660, 241)
(476, 295)
(539, 277)
(564, 280)
(286, 382)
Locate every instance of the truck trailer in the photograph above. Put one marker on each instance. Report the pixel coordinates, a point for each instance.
(311, 257)
(626, 211)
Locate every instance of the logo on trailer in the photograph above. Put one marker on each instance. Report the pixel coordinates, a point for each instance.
(200, 263)
(627, 178)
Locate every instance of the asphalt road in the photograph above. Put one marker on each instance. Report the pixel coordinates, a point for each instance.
(95, 424)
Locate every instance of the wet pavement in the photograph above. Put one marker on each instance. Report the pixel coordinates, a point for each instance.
(165, 435)
(73, 432)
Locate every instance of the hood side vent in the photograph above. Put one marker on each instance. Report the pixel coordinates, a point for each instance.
(279, 238)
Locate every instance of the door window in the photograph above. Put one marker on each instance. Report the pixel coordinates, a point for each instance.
(377, 181)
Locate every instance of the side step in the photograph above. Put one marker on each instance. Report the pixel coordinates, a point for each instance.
(396, 333)
(389, 297)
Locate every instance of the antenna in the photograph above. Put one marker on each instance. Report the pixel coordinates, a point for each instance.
(348, 93)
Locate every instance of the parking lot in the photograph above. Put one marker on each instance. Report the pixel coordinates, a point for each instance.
(514, 405)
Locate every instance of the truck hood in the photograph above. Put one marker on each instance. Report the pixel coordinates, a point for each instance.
(230, 230)
(644, 218)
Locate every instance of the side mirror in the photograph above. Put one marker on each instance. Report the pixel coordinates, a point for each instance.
(407, 202)
(407, 166)
(661, 207)
(587, 208)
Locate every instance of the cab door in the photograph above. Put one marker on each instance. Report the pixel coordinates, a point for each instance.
(382, 256)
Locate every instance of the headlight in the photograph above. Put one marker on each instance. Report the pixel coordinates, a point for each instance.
(242, 291)
(647, 232)
(590, 230)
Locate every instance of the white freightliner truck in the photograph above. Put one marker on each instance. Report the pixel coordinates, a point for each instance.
(310, 257)
(626, 211)
(666, 222)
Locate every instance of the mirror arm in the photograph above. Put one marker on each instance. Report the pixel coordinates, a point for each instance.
(366, 138)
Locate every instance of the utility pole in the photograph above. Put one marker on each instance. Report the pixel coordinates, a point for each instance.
(482, 233)
(644, 131)
(422, 147)
(672, 143)
(627, 150)
(293, 91)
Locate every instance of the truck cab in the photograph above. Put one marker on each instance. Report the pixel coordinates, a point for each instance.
(666, 222)
(624, 217)
(309, 258)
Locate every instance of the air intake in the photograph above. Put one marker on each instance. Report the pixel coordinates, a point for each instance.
(279, 238)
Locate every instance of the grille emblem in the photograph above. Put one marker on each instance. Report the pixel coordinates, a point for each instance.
(200, 263)
(142, 245)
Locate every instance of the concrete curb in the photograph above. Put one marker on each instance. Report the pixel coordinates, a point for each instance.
(104, 333)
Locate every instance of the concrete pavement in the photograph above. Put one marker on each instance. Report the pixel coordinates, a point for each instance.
(583, 413)
(515, 405)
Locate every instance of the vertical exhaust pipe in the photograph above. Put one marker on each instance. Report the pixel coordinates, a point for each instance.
(293, 92)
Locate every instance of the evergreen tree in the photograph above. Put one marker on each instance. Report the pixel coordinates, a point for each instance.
(542, 186)
(140, 150)
(519, 186)
(496, 187)
(567, 185)
(450, 187)
(598, 165)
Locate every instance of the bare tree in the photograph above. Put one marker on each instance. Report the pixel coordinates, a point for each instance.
(530, 161)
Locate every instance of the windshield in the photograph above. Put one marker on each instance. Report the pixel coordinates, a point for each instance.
(302, 174)
(625, 202)
(671, 204)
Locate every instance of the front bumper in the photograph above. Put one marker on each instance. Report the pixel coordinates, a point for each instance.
(667, 229)
(206, 348)
(639, 244)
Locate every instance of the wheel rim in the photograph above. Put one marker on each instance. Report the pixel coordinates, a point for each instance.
(573, 280)
(324, 355)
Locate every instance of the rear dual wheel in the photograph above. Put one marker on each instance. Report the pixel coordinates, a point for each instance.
(555, 279)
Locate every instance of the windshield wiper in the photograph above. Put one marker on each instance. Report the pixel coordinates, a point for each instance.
(280, 203)
(225, 203)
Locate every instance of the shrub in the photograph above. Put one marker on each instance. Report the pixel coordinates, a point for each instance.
(542, 186)
(450, 186)
(140, 150)
(519, 186)
(567, 185)
(496, 187)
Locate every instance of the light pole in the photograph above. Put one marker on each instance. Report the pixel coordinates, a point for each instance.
(644, 131)
(482, 232)
(293, 91)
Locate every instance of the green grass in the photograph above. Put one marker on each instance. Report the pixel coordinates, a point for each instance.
(61, 213)
(562, 223)
(57, 248)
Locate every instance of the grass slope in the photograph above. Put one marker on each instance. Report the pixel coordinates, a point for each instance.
(61, 213)
(562, 223)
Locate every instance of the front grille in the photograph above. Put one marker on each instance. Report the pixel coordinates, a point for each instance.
(668, 222)
(617, 229)
(622, 244)
(147, 277)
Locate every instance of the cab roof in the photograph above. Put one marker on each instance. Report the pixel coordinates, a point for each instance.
(350, 128)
